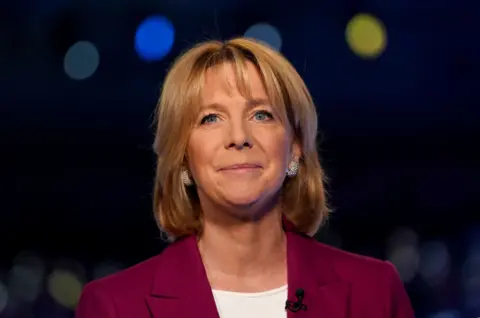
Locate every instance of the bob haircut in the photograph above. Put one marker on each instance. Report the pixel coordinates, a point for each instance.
(176, 207)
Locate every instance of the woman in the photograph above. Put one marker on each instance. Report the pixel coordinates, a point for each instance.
(239, 191)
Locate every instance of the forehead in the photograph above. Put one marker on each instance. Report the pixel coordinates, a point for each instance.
(230, 80)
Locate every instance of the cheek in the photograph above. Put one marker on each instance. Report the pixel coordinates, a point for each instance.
(278, 150)
(200, 156)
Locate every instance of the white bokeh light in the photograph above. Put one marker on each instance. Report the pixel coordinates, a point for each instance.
(403, 253)
(81, 61)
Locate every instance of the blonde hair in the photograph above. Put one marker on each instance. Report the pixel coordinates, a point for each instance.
(175, 206)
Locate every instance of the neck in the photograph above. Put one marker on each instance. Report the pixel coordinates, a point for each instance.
(248, 249)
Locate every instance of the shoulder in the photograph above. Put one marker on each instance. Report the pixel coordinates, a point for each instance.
(103, 297)
(138, 277)
(376, 278)
(355, 267)
(349, 267)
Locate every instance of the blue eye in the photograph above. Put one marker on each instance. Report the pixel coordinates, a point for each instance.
(263, 115)
(210, 118)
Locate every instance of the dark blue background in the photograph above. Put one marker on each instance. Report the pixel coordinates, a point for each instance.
(400, 132)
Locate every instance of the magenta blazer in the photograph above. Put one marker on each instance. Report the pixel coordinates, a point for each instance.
(336, 284)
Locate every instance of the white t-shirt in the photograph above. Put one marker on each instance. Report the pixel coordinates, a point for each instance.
(268, 304)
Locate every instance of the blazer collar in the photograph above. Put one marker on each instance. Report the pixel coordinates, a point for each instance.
(180, 285)
(325, 294)
(181, 288)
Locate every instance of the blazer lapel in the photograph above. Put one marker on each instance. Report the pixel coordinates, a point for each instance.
(325, 295)
(180, 287)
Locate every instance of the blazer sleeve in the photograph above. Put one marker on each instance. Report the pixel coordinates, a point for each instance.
(399, 305)
(95, 303)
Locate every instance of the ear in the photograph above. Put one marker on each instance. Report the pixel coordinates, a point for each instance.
(296, 151)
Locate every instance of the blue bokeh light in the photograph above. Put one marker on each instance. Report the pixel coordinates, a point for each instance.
(265, 33)
(154, 38)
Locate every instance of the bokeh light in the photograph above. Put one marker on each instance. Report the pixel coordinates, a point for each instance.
(25, 279)
(154, 38)
(403, 253)
(106, 268)
(3, 297)
(65, 287)
(81, 61)
(434, 262)
(471, 281)
(447, 314)
(366, 36)
(265, 33)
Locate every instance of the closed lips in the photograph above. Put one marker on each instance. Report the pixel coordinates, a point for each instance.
(241, 166)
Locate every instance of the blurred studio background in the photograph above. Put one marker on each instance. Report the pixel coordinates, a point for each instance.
(397, 89)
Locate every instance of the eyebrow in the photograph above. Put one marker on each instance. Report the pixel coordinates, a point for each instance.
(251, 103)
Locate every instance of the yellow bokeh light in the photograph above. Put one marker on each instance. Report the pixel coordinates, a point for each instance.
(65, 287)
(366, 35)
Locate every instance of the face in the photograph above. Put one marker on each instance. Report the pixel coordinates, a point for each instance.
(239, 150)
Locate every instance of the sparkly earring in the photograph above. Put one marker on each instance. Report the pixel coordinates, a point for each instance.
(187, 181)
(292, 169)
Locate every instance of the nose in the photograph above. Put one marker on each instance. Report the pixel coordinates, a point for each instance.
(239, 135)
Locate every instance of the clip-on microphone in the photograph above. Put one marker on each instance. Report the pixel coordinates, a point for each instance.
(295, 306)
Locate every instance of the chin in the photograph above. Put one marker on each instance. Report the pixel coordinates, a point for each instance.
(242, 201)
(239, 197)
